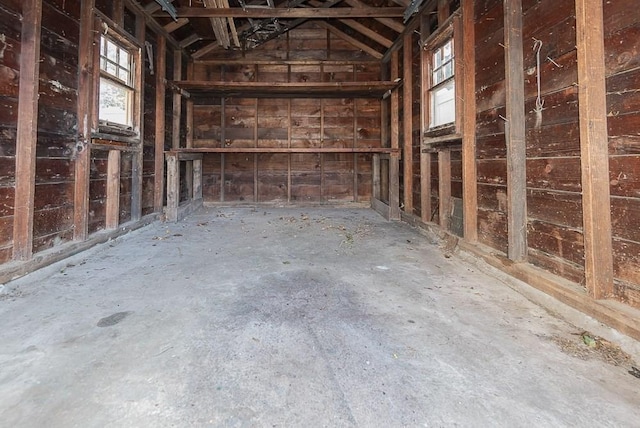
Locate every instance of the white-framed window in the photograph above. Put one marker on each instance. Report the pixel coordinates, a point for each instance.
(117, 89)
(442, 88)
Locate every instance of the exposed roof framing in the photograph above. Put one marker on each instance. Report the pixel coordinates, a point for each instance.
(204, 26)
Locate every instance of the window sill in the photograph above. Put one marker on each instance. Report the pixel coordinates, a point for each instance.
(434, 143)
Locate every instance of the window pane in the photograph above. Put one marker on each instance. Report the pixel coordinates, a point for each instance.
(124, 59)
(123, 75)
(447, 70)
(436, 59)
(443, 107)
(447, 51)
(111, 68)
(115, 102)
(112, 51)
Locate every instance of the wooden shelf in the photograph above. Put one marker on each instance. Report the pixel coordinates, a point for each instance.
(284, 150)
(370, 89)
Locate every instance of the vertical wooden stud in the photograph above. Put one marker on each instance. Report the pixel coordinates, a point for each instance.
(394, 160)
(375, 178)
(197, 179)
(161, 69)
(594, 149)
(85, 122)
(289, 133)
(173, 186)
(515, 130)
(425, 158)
(138, 157)
(469, 169)
(27, 132)
(113, 190)
(407, 121)
(177, 100)
(444, 187)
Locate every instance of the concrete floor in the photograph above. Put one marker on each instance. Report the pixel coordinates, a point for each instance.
(273, 317)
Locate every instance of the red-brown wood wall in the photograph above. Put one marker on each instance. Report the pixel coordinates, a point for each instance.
(292, 122)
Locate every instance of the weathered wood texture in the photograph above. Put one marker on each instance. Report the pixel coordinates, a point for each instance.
(622, 69)
(10, 28)
(490, 127)
(281, 123)
(57, 124)
(555, 238)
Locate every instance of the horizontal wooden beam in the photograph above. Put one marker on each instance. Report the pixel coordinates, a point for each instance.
(280, 150)
(290, 13)
(371, 89)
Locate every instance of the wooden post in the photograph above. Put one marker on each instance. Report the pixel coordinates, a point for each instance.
(375, 176)
(113, 190)
(177, 100)
(407, 121)
(27, 134)
(161, 68)
(515, 127)
(594, 149)
(173, 186)
(425, 158)
(85, 121)
(444, 187)
(469, 169)
(189, 137)
(137, 163)
(197, 179)
(394, 161)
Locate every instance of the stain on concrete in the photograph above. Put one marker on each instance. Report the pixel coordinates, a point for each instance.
(114, 319)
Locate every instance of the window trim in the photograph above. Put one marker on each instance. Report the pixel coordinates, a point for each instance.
(451, 29)
(115, 131)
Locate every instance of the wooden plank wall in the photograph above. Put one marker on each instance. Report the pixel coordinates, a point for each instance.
(56, 138)
(57, 144)
(622, 68)
(490, 126)
(10, 35)
(555, 239)
(296, 122)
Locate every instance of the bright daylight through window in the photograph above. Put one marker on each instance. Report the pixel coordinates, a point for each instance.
(116, 84)
(442, 92)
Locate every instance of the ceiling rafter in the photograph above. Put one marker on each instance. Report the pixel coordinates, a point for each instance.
(391, 23)
(350, 39)
(291, 13)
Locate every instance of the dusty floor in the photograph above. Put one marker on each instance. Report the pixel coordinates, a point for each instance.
(288, 317)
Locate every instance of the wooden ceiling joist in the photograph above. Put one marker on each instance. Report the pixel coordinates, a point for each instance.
(291, 13)
(372, 89)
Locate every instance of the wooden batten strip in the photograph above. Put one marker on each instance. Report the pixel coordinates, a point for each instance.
(27, 127)
(598, 252)
(515, 132)
(469, 169)
(161, 68)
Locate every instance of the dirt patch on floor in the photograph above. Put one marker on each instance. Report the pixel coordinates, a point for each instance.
(587, 346)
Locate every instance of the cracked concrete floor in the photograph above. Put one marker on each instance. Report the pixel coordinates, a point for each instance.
(281, 317)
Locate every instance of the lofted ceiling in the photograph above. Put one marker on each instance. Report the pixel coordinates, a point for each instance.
(203, 27)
